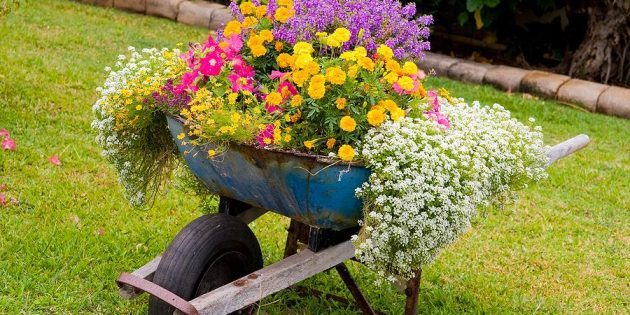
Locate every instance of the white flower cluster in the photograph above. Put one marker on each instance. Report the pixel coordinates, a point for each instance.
(131, 79)
(427, 182)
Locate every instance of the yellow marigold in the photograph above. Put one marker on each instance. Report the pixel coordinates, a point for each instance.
(385, 52)
(347, 123)
(312, 68)
(335, 75)
(278, 46)
(410, 68)
(232, 28)
(258, 50)
(366, 63)
(249, 21)
(266, 35)
(341, 103)
(406, 83)
(391, 77)
(397, 114)
(330, 143)
(388, 104)
(274, 98)
(296, 100)
(261, 11)
(376, 117)
(346, 153)
(283, 14)
(247, 7)
(295, 117)
(285, 60)
(299, 77)
(342, 34)
(309, 144)
(392, 65)
(352, 71)
(360, 51)
(348, 56)
(303, 60)
(286, 3)
(302, 48)
(316, 91)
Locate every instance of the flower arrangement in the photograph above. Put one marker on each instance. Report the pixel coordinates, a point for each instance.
(335, 78)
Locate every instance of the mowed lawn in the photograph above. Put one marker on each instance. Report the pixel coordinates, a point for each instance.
(563, 248)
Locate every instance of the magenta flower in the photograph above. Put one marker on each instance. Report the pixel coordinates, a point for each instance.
(55, 160)
(211, 64)
(435, 113)
(235, 43)
(188, 82)
(4, 133)
(265, 136)
(287, 89)
(275, 74)
(242, 76)
(9, 144)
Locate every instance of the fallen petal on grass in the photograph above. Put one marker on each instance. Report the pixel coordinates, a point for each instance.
(4, 133)
(55, 160)
(9, 144)
(3, 200)
(3, 187)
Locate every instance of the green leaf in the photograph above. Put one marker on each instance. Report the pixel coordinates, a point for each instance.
(463, 18)
(474, 5)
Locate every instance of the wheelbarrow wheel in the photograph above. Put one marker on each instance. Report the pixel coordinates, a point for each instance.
(209, 252)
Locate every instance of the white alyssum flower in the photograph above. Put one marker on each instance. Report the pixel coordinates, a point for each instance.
(427, 182)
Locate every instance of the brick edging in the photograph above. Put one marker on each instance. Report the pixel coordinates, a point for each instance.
(594, 97)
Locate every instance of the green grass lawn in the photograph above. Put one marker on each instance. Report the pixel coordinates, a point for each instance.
(563, 248)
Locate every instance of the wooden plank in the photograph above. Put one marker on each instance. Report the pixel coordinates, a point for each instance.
(147, 271)
(144, 272)
(271, 279)
(566, 148)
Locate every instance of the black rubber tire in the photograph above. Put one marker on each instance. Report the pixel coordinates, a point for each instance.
(209, 252)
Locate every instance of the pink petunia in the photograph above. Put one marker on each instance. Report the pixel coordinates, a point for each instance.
(4, 133)
(9, 144)
(287, 89)
(265, 136)
(277, 75)
(3, 200)
(235, 43)
(55, 160)
(188, 83)
(242, 77)
(211, 64)
(435, 113)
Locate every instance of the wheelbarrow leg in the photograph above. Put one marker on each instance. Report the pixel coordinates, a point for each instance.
(354, 289)
(412, 292)
(297, 232)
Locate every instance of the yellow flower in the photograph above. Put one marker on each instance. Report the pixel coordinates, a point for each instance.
(274, 98)
(352, 71)
(406, 83)
(342, 34)
(299, 77)
(249, 21)
(330, 143)
(360, 51)
(181, 136)
(296, 100)
(385, 52)
(232, 98)
(316, 90)
(302, 48)
(335, 75)
(235, 118)
(388, 104)
(138, 107)
(348, 56)
(312, 68)
(391, 77)
(366, 63)
(258, 50)
(267, 140)
(266, 35)
(261, 11)
(287, 117)
(278, 46)
(392, 65)
(341, 103)
(286, 3)
(346, 153)
(410, 68)
(285, 60)
(287, 138)
(302, 60)
(347, 123)
(376, 117)
(283, 14)
(397, 114)
(255, 43)
(232, 28)
(247, 7)
(309, 144)
(212, 153)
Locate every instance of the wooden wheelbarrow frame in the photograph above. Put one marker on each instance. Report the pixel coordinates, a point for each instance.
(326, 250)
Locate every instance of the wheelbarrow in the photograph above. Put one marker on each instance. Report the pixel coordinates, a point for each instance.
(214, 264)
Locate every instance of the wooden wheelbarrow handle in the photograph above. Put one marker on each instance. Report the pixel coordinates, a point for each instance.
(159, 292)
(566, 148)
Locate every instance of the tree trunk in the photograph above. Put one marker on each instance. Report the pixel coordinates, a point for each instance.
(604, 55)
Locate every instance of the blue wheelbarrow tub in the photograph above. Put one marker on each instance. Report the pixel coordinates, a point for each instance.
(301, 187)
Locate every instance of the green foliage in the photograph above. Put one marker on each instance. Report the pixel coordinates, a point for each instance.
(6, 6)
(561, 249)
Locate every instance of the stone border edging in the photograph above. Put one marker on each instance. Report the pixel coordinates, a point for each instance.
(594, 97)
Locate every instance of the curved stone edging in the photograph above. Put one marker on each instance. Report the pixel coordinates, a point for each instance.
(594, 97)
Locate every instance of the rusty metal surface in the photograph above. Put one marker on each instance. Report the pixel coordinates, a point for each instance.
(157, 291)
(301, 187)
